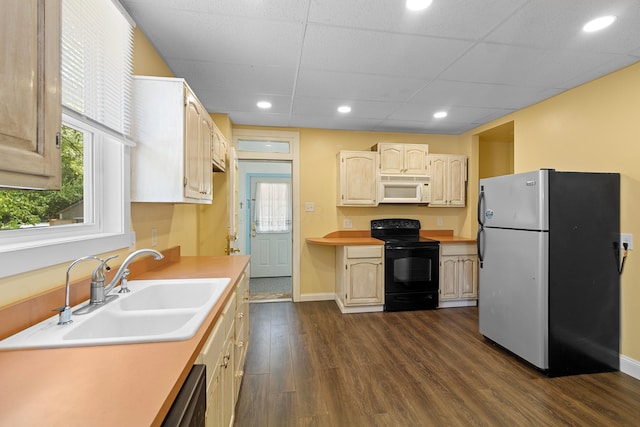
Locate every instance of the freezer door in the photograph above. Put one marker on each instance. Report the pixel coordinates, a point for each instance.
(515, 201)
(513, 292)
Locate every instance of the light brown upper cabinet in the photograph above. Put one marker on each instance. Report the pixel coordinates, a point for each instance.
(220, 150)
(30, 112)
(402, 159)
(357, 183)
(173, 155)
(448, 174)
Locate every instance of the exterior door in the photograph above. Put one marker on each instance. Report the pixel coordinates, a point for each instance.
(270, 244)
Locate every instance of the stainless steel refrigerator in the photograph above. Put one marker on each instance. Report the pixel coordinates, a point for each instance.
(549, 281)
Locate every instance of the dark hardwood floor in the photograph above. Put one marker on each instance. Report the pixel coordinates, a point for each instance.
(310, 365)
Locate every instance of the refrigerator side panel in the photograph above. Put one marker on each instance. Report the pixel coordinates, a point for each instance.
(515, 201)
(584, 284)
(513, 292)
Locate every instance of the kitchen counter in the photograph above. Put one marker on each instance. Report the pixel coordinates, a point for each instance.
(363, 237)
(116, 385)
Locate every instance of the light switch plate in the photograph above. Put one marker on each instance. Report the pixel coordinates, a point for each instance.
(309, 206)
(628, 239)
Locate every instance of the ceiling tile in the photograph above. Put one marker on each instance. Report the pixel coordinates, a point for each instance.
(557, 24)
(372, 52)
(221, 101)
(529, 67)
(224, 38)
(442, 93)
(462, 19)
(327, 107)
(236, 77)
(370, 87)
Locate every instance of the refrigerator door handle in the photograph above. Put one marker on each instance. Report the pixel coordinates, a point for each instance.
(480, 200)
(479, 245)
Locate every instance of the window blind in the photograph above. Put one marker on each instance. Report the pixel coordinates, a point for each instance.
(97, 63)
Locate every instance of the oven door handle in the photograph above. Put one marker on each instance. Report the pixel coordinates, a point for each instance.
(417, 248)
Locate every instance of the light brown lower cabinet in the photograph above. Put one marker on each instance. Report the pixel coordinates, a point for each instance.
(458, 275)
(224, 355)
(360, 278)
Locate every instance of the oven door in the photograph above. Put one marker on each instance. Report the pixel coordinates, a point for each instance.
(411, 269)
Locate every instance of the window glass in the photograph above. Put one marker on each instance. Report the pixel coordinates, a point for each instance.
(29, 208)
(263, 146)
(272, 212)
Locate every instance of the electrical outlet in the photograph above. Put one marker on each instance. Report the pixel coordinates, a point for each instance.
(347, 223)
(154, 237)
(628, 239)
(439, 221)
(309, 207)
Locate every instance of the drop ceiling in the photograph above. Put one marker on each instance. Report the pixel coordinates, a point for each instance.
(478, 60)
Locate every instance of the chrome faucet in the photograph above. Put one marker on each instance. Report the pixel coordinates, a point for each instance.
(64, 318)
(99, 291)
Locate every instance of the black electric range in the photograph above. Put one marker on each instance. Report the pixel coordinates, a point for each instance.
(411, 265)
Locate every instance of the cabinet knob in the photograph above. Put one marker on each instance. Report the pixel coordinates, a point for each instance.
(225, 360)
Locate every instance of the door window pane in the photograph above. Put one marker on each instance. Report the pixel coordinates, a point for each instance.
(272, 214)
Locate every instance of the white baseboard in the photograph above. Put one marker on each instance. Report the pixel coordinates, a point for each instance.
(317, 297)
(458, 303)
(360, 309)
(630, 366)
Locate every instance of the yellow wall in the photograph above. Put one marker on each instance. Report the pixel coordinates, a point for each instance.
(594, 127)
(212, 219)
(495, 155)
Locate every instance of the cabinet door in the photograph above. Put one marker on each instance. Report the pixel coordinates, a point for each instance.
(468, 277)
(214, 398)
(206, 152)
(357, 178)
(391, 159)
(457, 177)
(30, 111)
(364, 281)
(415, 159)
(449, 277)
(228, 382)
(438, 170)
(219, 150)
(192, 166)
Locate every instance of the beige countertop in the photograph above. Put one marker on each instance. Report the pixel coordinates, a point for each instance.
(363, 237)
(116, 385)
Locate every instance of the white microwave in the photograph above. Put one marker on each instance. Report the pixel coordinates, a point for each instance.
(404, 189)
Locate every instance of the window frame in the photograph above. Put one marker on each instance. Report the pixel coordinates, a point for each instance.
(34, 248)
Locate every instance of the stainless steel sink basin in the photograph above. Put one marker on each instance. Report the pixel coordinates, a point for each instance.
(154, 310)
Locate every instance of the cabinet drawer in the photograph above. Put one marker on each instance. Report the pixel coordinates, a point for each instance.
(458, 249)
(364, 251)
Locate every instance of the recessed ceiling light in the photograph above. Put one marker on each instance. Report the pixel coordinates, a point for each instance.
(440, 114)
(264, 104)
(344, 109)
(598, 23)
(417, 4)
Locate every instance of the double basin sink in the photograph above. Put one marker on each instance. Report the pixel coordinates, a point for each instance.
(154, 310)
